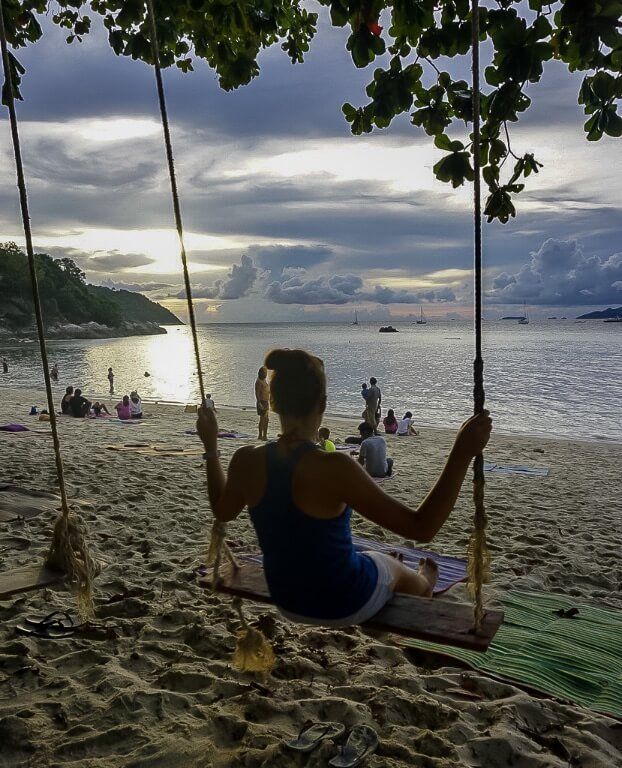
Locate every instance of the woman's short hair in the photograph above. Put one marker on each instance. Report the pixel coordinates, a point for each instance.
(297, 383)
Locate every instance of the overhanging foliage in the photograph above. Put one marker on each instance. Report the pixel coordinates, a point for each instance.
(422, 34)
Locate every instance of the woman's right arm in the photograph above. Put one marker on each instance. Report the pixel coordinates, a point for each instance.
(359, 491)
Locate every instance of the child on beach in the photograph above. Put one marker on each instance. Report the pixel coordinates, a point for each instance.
(301, 499)
(136, 405)
(406, 426)
(99, 408)
(325, 444)
(111, 380)
(390, 422)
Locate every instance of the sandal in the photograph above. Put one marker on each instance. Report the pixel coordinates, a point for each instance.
(56, 619)
(362, 742)
(46, 631)
(312, 734)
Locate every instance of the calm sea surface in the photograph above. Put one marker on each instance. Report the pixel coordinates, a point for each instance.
(550, 378)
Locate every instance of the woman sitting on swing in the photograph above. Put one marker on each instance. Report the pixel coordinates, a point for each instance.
(300, 500)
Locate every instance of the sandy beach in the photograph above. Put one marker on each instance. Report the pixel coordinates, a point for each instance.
(161, 691)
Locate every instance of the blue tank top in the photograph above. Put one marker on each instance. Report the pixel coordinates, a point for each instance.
(311, 566)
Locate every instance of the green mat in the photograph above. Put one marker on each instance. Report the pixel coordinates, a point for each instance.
(577, 659)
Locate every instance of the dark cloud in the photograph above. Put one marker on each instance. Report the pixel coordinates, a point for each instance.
(276, 258)
(560, 274)
(238, 283)
(116, 261)
(383, 295)
(134, 287)
(338, 289)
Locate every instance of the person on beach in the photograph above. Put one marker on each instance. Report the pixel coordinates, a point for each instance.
(262, 396)
(300, 501)
(65, 403)
(124, 409)
(54, 372)
(136, 405)
(79, 406)
(353, 439)
(111, 380)
(373, 454)
(5, 365)
(406, 426)
(209, 403)
(325, 444)
(372, 409)
(390, 422)
(99, 408)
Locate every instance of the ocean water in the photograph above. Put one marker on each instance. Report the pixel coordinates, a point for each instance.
(550, 378)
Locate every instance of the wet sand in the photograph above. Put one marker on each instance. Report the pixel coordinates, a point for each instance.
(163, 692)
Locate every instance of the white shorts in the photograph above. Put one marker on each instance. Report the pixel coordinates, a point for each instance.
(381, 595)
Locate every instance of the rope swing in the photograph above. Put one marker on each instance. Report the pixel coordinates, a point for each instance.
(68, 552)
(253, 652)
(479, 557)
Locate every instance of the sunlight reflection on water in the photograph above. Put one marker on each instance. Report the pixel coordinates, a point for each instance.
(547, 378)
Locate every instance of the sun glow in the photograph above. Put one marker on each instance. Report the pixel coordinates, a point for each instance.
(117, 129)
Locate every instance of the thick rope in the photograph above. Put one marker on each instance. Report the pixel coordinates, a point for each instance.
(479, 557)
(253, 652)
(68, 552)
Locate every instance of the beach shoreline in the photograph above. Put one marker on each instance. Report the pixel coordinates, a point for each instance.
(162, 692)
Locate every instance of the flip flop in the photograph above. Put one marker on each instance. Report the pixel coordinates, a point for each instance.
(56, 619)
(362, 742)
(312, 734)
(46, 631)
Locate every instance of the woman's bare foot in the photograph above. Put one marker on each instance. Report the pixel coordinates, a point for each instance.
(428, 570)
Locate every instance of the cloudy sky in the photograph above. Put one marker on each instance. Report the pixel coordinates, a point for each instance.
(288, 216)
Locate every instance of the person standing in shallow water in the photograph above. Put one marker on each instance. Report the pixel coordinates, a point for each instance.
(111, 380)
(262, 397)
(5, 365)
(54, 372)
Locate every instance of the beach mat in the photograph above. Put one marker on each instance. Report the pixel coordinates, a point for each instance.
(224, 434)
(18, 503)
(575, 658)
(156, 449)
(515, 469)
(451, 570)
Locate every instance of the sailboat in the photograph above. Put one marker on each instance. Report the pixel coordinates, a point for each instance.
(356, 318)
(524, 320)
(422, 320)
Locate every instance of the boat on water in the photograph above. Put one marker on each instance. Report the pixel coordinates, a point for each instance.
(524, 320)
(388, 329)
(421, 320)
(553, 317)
(617, 319)
(356, 318)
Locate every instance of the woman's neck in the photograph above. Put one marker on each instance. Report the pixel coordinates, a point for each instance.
(299, 430)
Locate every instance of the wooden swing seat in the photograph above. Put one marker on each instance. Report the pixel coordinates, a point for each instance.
(27, 578)
(438, 621)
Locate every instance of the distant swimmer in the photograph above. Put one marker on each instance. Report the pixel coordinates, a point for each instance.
(111, 380)
(54, 372)
(262, 396)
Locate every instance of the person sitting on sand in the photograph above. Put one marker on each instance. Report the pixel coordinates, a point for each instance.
(390, 422)
(406, 426)
(136, 405)
(373, 454)
(262, 396)
(65, 403)
(99, 408)
(124, 409)
(300, 501)
(79, 406)
(325, 444)
(352, 439)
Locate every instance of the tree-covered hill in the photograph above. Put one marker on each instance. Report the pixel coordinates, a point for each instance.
(66, 298)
